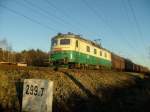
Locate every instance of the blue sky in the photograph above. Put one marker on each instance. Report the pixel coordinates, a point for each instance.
(122, 25)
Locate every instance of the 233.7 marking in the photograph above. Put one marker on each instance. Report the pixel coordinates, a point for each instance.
(34, 90)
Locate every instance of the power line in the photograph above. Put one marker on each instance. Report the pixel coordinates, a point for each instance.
(129, 22)
(34, 10)
(137, 27)
(136, 22)
(137, 50)
(128, 18)
(100, 17)
(62, 11)
(50, 4)
(133, 43)
(43, 10)
(28, 18)
(97, 14)
(48, 13)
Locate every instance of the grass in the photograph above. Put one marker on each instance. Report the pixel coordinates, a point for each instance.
(79, 90)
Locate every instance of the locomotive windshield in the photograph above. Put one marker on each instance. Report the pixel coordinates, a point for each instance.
(54, 42)
(64, 41)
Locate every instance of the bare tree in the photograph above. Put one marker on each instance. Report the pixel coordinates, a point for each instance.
(3, 46)
(5, 50)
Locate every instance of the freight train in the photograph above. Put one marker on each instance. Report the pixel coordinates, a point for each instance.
(75, 51)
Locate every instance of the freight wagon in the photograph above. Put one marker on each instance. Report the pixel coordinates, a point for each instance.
(144, 69)
(136, 68)
(129, 66)
(118, 62)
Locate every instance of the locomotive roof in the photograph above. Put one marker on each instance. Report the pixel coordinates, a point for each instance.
(79, 37)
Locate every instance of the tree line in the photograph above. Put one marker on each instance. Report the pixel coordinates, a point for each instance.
(31, 57)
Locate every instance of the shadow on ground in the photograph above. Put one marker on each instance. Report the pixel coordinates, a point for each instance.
(133, 98)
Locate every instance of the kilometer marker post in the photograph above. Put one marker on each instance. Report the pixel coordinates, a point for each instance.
(37, 95)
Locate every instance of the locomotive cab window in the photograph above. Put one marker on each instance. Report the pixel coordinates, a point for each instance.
(54, 42)
(64, 41)
(95, 51)
(106, 55)
(100, 53)
(77, 44)
(87, 48)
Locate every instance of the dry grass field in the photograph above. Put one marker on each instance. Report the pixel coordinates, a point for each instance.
(79, 90)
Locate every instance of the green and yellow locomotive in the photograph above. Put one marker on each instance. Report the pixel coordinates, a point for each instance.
(75, 51)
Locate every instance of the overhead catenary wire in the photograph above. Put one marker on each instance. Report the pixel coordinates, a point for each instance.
(142, 42)
(35, 11)
(45, 11)
(28, 18)
(52, 15)
(62, 11)
(46, 16)
(128, 20)
(136, 22)
(103, 20)
(135, 43)
(100, 17)
(50, 4)
(127, 17)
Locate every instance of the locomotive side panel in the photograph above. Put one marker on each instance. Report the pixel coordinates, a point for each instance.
(89, 54)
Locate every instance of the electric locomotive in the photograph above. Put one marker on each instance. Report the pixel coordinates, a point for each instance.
(75, 51)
